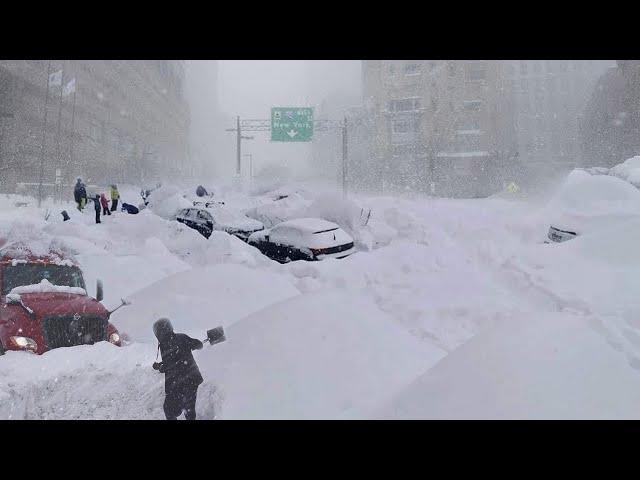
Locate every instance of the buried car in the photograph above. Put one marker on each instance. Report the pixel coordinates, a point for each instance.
(590, 201)
(303, 239)
(206, 220)
(44, 304)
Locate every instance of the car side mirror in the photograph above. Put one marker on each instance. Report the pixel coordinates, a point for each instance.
(99, 291)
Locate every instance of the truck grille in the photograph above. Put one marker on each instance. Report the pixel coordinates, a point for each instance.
(67, 332)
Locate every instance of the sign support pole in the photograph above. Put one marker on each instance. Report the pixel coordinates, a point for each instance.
(238, 146)
(344, 158)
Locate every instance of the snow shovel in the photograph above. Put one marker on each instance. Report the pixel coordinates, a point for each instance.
(215, 335)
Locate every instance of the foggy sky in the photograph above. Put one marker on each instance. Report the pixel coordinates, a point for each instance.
(217, 93)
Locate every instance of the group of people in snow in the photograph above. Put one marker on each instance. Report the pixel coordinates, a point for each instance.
(100, 201)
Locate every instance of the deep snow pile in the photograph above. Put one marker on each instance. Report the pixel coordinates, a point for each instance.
(324, 355)
(543, 367)
(351, 338)
(588, 202)
(202, 298)
(628, 170)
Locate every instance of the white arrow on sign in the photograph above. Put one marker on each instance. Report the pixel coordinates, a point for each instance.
(292, 133)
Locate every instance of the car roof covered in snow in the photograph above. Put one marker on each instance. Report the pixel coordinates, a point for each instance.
(309, 225)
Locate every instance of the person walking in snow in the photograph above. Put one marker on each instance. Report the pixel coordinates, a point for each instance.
(115, 196)
(105, 205)
(96, 205)
(181, 374)
(80, 194)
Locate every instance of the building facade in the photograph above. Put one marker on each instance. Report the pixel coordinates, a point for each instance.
(549, 99)
(610, 127)
(106, 121)
(439, 126)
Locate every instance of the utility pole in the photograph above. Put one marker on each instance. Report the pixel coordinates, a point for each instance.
(238, 145)
(239, 138)
(44, 135)
(344, 158)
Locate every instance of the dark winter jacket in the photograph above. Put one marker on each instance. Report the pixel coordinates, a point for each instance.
(130, 208)
(201, 191)
(79, 192)
(177, 364)
(96, 203)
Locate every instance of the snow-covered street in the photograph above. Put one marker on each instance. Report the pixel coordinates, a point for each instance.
(450, 309)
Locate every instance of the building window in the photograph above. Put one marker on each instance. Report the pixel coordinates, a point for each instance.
(468, 123)
(404, 104)
(467, 142)
(451, 69)
(411, 69)
(401, 126)
(523, 67)
(476, 71)
(473, 105)
(95, 131)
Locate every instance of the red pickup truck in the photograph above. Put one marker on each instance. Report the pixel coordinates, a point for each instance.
(44, 305)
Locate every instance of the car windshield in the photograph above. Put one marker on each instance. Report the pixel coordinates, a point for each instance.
(33, 273)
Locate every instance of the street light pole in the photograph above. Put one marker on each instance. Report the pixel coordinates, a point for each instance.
(44, 136)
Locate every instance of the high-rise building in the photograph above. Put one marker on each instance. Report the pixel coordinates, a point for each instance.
(107, 121)
(441, 126)
(610, 127)
(549, 98)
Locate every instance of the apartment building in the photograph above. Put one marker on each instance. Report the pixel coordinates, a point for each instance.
(441, 126)
(549, 100)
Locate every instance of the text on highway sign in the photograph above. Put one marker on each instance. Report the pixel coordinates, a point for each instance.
(291, 124)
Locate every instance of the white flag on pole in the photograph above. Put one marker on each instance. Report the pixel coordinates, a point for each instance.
(55, 78)
(69, 88)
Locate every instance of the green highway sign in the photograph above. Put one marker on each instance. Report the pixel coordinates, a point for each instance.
(291, 124)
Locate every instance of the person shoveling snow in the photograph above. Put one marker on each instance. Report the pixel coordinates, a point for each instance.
(182, 375)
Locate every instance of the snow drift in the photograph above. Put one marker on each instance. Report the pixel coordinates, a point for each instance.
(323, 355)
(552, 367)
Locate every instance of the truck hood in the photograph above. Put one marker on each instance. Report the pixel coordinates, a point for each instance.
(63, 304)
